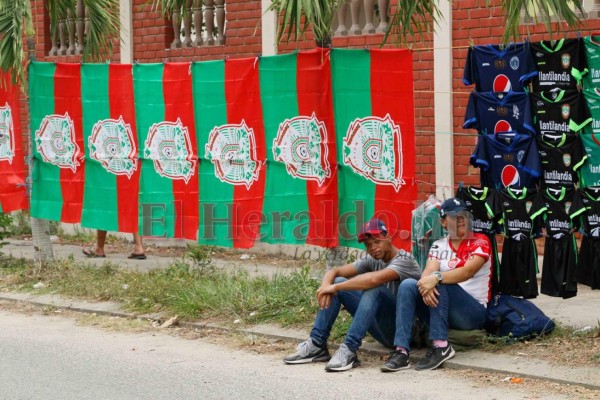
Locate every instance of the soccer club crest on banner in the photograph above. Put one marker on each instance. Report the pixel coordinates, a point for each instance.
(301, 144)
(373, 149)
(232, 150)
(7, 135)
(168, 145)
(55, 141)
(112, 144)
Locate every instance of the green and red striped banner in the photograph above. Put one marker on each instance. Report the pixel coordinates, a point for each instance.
(301, 190)
(13, 191)
(374, 115)
(286, 149)
(111, 173)
(58, 148)
(230, 130)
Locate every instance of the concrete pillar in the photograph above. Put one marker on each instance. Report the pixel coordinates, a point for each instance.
(126, 12)
(444, 112)
(269, 30)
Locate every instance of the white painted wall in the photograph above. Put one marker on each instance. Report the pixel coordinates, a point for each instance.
(269, 30)
(126, 11)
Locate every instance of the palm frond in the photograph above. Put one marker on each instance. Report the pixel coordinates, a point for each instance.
(168, 6)
(298, 15)
(554, 14)
(104, 27)
(413, 20)
(12, 51)
(58, 10)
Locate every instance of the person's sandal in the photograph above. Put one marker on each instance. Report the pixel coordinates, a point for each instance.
(90, 253)
(134, 256)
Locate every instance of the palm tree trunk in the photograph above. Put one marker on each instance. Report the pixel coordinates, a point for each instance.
(40, 228)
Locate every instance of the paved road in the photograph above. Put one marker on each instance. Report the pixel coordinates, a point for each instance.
(48, 357)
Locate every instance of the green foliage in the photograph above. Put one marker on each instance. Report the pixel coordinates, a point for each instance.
(13, 13)
(5, 227)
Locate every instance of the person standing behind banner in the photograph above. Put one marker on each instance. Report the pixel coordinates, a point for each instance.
(98, 252)
(453, 291)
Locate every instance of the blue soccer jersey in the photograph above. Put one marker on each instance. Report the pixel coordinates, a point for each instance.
(495, 69)
(496, 112)
(507, 159)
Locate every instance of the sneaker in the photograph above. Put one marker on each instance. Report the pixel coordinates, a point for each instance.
(307, 352)
(343, 360)
(397, 361)
(435, 357)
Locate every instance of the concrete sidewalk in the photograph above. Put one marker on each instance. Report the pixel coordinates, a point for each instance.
(580, 311)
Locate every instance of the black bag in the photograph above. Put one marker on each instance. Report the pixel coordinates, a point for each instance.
(517, 318)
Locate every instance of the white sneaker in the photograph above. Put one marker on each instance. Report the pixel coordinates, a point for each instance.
(343, 360)
(307, 352)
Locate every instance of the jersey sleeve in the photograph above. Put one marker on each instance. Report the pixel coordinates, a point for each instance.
(493, 204)
(582, 117)
(577, 211)
(579, 155)
(468, 74)
(405, 266)
(479, 158)
(529, 68)
(480, 246)
(537, 213)
(528, 116)
(531, 160)
(471, 120)
(579, 62)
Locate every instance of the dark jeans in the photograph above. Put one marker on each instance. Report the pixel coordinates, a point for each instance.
(373, 311)
(457, 309)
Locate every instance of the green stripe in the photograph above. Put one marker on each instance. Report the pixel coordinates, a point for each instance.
(46, 195)
(535, 256)
(157, 209)
(99, 212)
(285, 201)
(351, 77)
(210, 110)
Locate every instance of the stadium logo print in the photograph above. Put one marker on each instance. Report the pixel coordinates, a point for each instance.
(55, 141)
(232, 150)
(112, 144)
(373, 149)
(168, 145)
(7, 135)
(514, 63)
(301, 144)
(510, 176)
(502, 84)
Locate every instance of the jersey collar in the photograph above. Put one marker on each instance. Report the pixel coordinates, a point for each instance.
(561, 93)
(482, 196)
(557, 45)
(511, 193)
(563, 139)
(563, 192)
(589, 195)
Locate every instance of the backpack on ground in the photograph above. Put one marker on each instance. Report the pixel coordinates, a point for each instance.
(517, 318)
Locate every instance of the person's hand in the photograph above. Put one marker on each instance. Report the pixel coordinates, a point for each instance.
(430, 298)
(426, 284)
(324, 294)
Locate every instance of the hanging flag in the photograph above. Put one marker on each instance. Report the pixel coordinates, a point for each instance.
(110, 200)
(13, 191)
(169, 167)
(374, 117)
(301, 188)
(57, 141)
(232, 161)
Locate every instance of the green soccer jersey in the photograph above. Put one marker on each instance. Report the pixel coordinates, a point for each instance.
(426, 229)
(590, 137)
(591, 79)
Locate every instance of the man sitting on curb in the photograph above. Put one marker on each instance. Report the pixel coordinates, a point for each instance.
(367, 289)
(452, 293)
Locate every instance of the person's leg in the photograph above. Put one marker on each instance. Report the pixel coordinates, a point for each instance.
(100, 242)
(376, 314)
(464, 311)
(138, 247)
(409, 303)
(327, 316)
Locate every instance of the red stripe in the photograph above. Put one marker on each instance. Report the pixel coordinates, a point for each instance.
(67, 99)
(120, 91)
(13, 193)
(242, 91)
(179, 103)
(392, 93)
(315, 96)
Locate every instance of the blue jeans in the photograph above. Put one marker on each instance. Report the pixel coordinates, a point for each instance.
(373, 311)
(457, 309)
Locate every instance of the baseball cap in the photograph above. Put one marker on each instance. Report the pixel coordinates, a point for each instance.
(452, 207)
(375, 227)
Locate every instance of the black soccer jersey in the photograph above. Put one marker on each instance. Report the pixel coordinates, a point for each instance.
(559, 64)
(559, 111)
(564, 209)
(495, 69)
(519, 212)
(493, 112)
(591, 219)
(476, 199)
(507, 159)
(561, 156)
